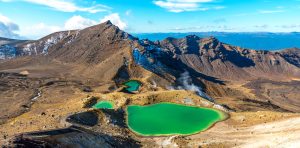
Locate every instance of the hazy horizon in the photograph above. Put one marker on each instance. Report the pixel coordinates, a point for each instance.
(139, 33)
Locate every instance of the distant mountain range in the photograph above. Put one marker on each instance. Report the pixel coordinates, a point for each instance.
(192, 53)
(256, 40)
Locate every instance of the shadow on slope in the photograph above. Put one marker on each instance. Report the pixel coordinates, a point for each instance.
(71, 137)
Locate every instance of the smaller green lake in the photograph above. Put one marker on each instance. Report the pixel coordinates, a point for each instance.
(171, 119)
(132, 85)
(104, 105)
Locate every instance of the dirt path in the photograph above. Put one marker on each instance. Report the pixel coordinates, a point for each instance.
(244, 130)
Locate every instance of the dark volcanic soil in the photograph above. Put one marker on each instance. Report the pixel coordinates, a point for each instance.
(16, 94)
(19, 92)
(282, 94)
(72, 137)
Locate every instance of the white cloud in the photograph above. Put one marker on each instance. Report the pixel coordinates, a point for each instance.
(177, 7)
(39, 30)
(115, 19)
(11, 30)
(185, 5)
(8, 28)
(67, 5)
(78, 22)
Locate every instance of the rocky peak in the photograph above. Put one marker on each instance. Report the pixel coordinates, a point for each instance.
(108, 22)
(101, 26)
(210, 43)
(186, 45)
(292, 55)
(291, 50)
(106, 31)
(192, 37)
(210, 39)
(169, 39)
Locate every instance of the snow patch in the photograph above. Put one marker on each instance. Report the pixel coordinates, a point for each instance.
(7, 52)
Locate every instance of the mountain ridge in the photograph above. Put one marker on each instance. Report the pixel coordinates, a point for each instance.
(250, 40)
(207, 56)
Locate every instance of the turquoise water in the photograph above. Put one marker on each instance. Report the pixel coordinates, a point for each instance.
(171, 119)
(132, 85)
(104, 105)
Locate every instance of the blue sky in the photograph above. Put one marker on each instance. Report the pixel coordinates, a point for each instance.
(35, 18)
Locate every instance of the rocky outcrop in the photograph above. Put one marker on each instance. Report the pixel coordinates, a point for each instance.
(214, 58)
(292, 56)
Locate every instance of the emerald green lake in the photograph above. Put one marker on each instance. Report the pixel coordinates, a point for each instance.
(104, 105)
(171, 119)
(132, 85)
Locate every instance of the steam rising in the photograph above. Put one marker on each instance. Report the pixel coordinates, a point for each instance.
(187, 84)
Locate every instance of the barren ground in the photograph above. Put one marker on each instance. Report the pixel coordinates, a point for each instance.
(254, 121)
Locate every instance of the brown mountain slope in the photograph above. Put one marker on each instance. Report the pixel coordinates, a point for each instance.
(213, 58)
(92, 45)
(95, 46)
(41, 46)
(96, 52)
(103, 54)
(91, 57)
(292, 56)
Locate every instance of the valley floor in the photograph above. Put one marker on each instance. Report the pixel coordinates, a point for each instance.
(242, 129)
(257, 115)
